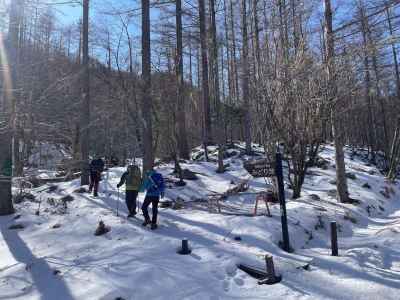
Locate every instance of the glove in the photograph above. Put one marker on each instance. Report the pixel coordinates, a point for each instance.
(162, 195)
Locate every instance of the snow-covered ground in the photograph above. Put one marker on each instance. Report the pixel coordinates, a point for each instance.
(66, 261)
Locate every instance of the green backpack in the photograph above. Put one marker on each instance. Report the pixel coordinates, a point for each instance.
(133, 178)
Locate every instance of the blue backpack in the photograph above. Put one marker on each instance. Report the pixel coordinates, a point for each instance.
(157, 182)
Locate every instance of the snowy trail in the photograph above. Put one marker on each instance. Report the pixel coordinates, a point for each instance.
(369, 262)
(378, 232)
(133, 262)
(377, 246)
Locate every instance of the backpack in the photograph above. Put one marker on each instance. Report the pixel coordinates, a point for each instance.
(97, 165)
(157, 181)
(133, 179)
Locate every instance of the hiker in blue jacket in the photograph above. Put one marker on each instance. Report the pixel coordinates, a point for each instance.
(154, 185)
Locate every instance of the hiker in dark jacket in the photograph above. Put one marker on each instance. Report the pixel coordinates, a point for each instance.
(96, 168)
(154, 185)
(114, 161)
(132, 179)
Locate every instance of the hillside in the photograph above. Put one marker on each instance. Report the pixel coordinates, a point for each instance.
(57, 256)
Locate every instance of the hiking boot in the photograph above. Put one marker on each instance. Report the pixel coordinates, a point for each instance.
(153, 226)
(146, 222)
(132, 215)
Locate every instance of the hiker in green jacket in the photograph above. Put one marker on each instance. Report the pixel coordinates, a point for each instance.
(132, 179)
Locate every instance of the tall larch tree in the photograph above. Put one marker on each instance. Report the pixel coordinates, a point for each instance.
(8, 62)
(207, 133)
(183, 146)
(85, 114)
(245, 79)
(146, 99)
(341, 180)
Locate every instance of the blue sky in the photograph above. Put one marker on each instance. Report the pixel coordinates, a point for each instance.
(68, 13)
(72, 13)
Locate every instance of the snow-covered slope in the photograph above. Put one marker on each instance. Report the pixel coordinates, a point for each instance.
(56, 255)
(47, 155)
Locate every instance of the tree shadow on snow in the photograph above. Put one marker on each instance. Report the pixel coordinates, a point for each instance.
(247, 238)
(325, 285)
(48, 285)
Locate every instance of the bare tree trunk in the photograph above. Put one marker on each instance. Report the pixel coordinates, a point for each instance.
(395, 146)
(224, 91)
(231, 84)
(381, 104)
(257, 40)
(234, 61)
(367, 89)
(217, 100)
(245, 80)
(396, 65)
(17, 163)
(341, 181)
(18, 166)
(9, 77)
(205, 88)
(79, 52)
(296, 38)
(85, 115)
(190, 63)
(147, 100)
(183, 147)
(6, 204)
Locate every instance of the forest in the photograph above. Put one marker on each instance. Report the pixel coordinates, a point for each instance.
(231, 103)
(257, 71)
(262, 71)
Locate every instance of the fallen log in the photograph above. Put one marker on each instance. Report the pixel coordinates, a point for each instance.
(36, 181)
(215, 198)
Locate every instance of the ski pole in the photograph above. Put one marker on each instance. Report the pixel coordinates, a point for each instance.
(118, 203)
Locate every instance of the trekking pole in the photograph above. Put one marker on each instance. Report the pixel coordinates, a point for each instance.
(118, 203)
(107, 180)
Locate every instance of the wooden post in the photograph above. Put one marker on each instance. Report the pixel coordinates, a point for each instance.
(271, 276)
(334, 242)
(262, 197)
(268, 211)
(269, 262)
(255, 207)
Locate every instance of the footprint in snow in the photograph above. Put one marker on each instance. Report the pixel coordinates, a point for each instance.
(219, 275)
(226, 284)
(231, 270)
(239, 281)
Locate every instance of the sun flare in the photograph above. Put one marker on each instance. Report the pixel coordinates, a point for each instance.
(5, 70)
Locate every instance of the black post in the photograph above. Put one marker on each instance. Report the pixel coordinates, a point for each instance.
(185, 246)
(185, 250)
(334, 242)
(281, 196)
